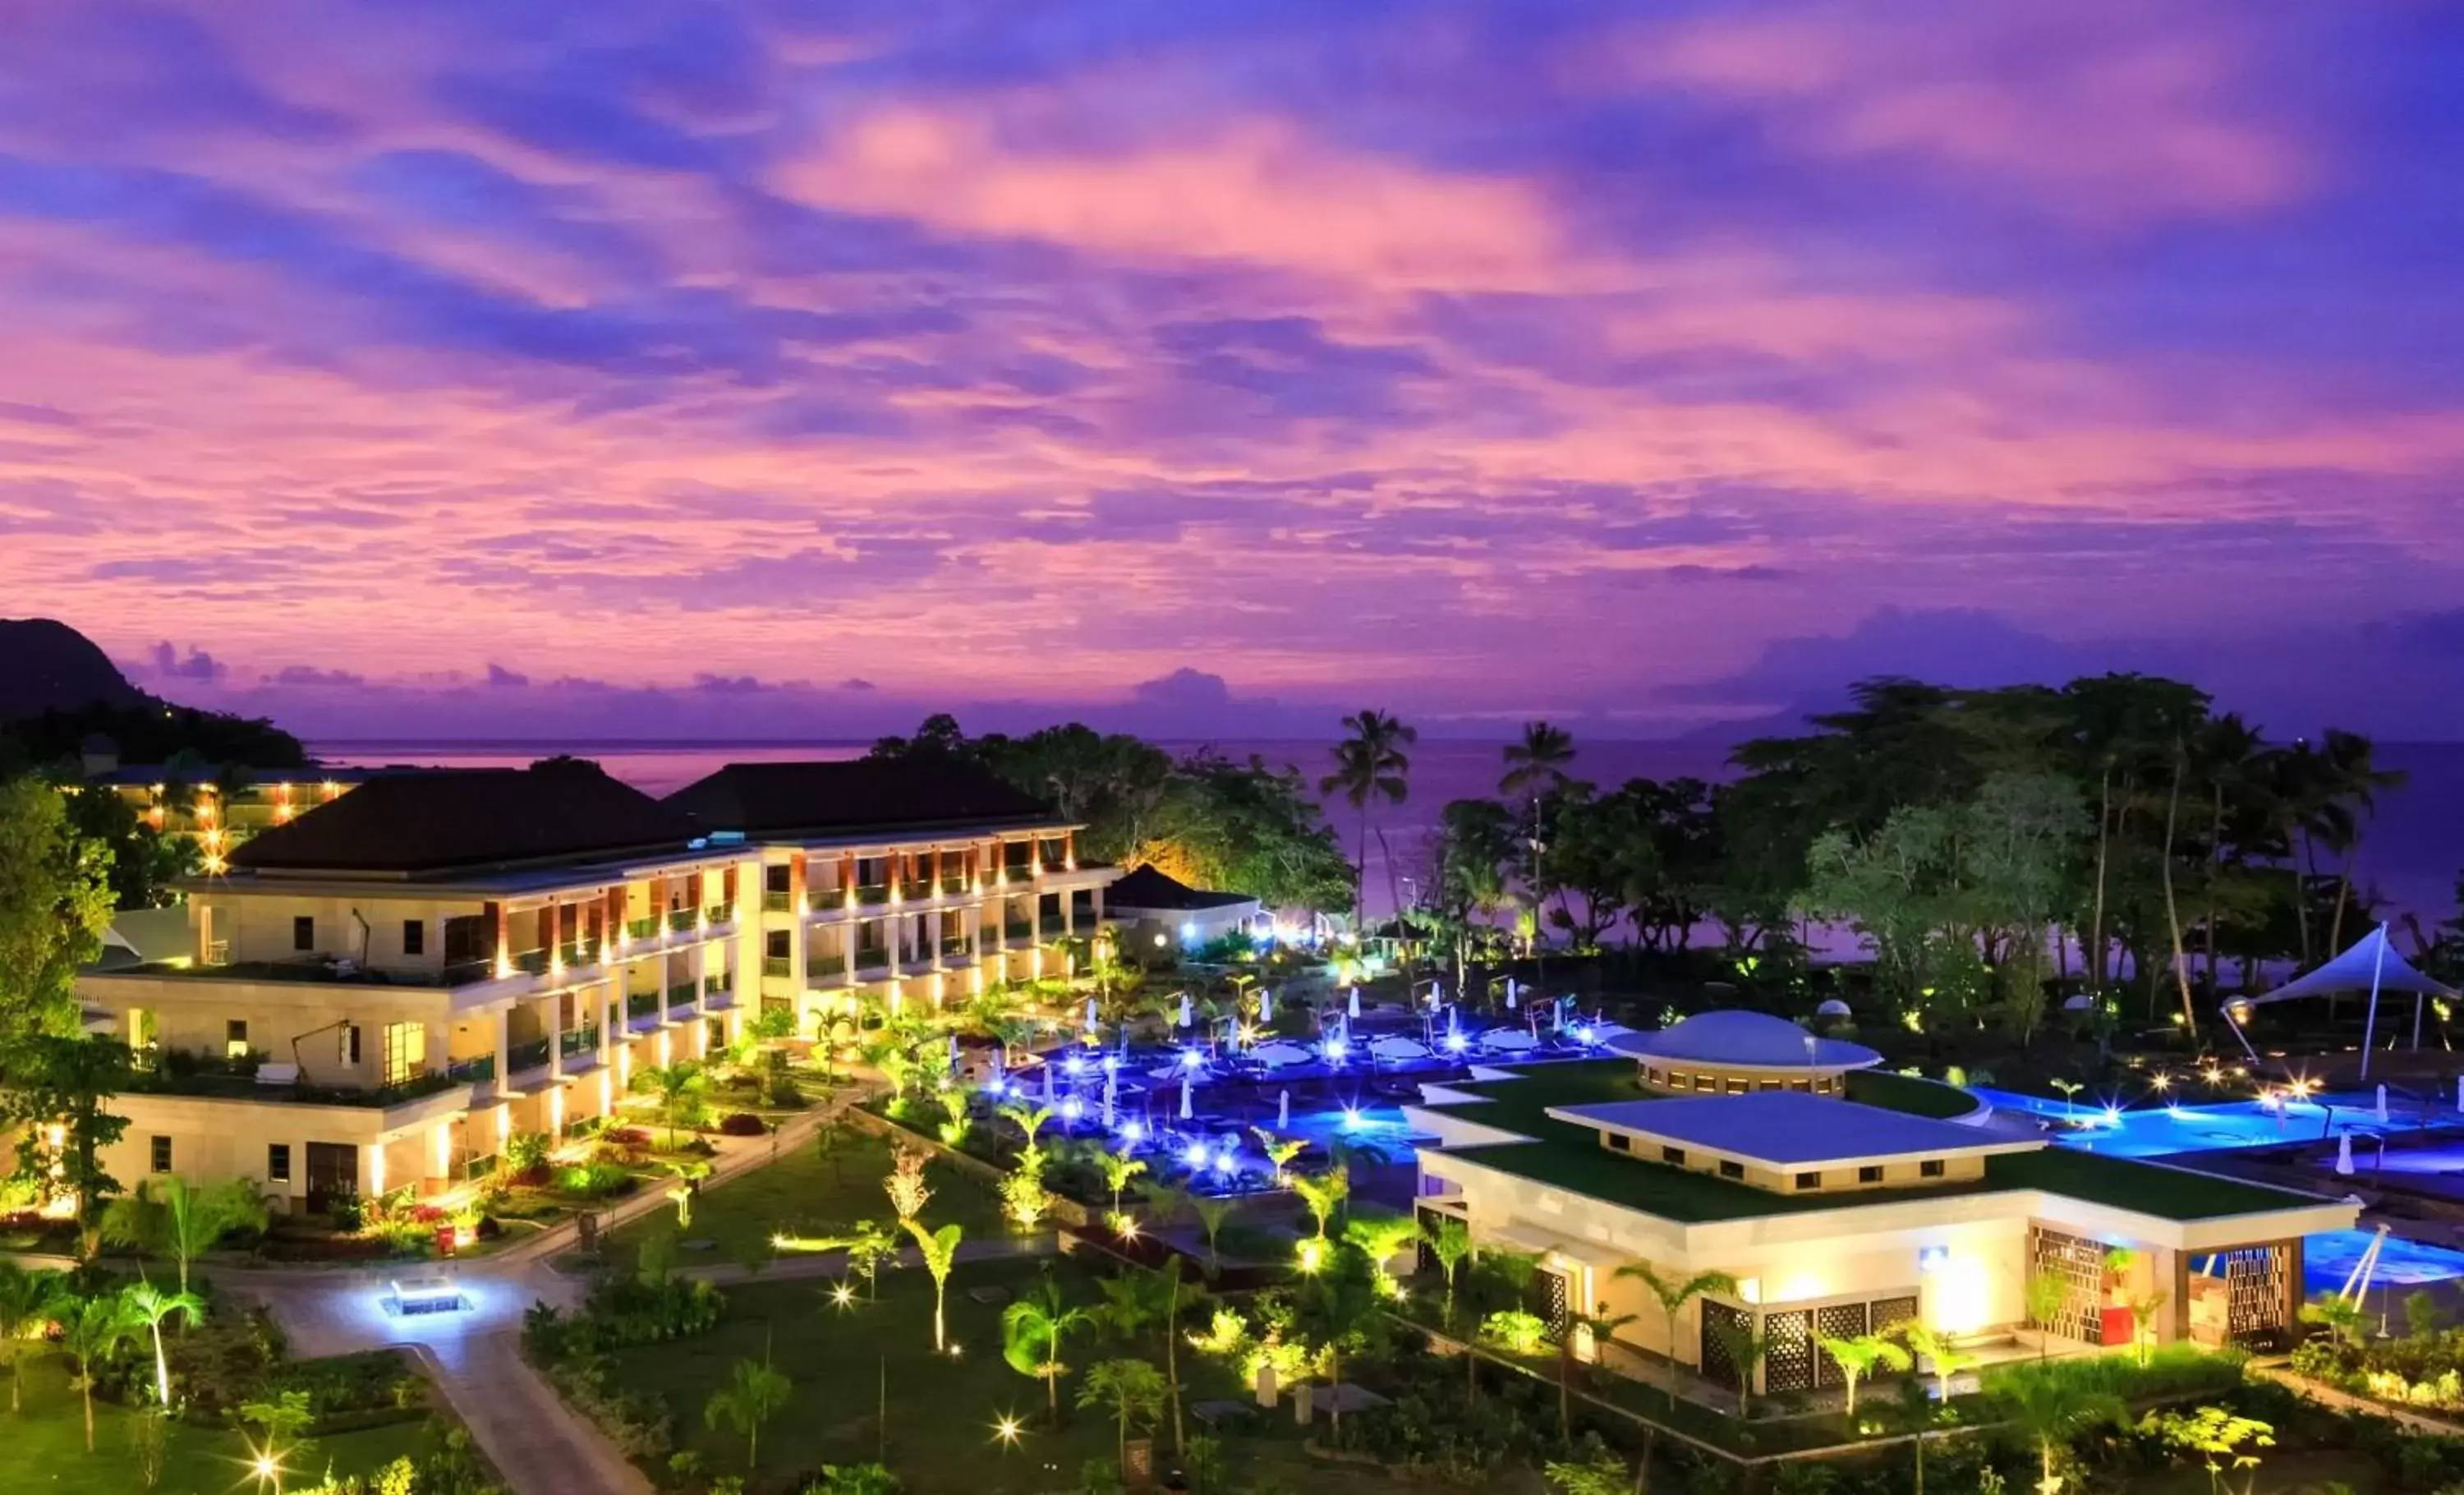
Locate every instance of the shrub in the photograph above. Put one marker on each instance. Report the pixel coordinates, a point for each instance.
(525, 1151)
(626, 1137)
(742, 1123)
(784, 1092)
(593, 1180)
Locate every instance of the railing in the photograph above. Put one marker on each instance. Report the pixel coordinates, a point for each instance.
(535, 961)
(532, 1055)
(1053, 924)
(777, 965)
(680, 919)
(716, 913)
(915, 892)
(719, 981)
(641, 1004)
(1018, 872)
(472, 1071)
(820, 966)
(1056, 864)
(575, 952)
(875, 959)
(644, 927)
(777, 900)
(218, 951)
(462, 973)
(579, 1041)
(683, 993)
(954, 882)
(1017, 929)
(953, 945)
(872, 892)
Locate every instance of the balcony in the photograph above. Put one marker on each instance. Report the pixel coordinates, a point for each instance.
(871, 893)
(954, 883)
(915, 892)
(525, 1056)
(212, 1077)
(718, 982)
(533, 961)
(682, 995)
(1018, 872)
(1053, 924)
(642, 927)
(953, 945)
(777, 900)
(680, 919)
(641, 1004)
(820, 968)
(479, 1070)
(1015, 930)
(579, 1041)
(777, 965)
(872, 965)
(717, 915)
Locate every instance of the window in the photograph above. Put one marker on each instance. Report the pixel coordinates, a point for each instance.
(1738, 1087)
(1930, 1168)
(414, 937)
(776, 878)
(1673, 1155)
(774, 944)
(1729, 1170)
(1811, 1181)
(405, 1052)
(1619, 1142)
(160, 1160)
(1871, 1172)
(348, 1047)
(468, 937)
(303, 932)
(235, 1039)
(1705, 1083)
(277, 1162)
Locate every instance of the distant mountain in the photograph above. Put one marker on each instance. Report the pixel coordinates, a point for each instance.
(47, 666)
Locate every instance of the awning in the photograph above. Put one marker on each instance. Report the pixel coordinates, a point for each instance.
(2372, 961)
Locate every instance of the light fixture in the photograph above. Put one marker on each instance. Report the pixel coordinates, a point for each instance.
(1006, 1430)
(1195, 1154)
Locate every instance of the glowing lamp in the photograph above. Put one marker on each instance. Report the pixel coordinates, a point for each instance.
(1071, 1108)
(1193, 1154)
(1134, 1131)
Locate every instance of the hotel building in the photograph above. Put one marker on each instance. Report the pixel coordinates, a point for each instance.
(1834, 1217)
(381, 990)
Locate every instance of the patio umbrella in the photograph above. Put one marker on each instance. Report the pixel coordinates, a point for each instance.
(1048, 1079)
(2383, 1116)
(1282, 1110)
(1558, 1015)
(1091, 1014)
(2345, 1154)
(1278, 1054)
(1186, 1086)
(1351, 1003)
(1266, 1015)
(1509, 994)
(1187, 1016)
(954, 1050)
(1112, 1084)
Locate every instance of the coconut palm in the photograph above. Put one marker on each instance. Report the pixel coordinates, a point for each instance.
(676, 1091)
(1323, 1196)
(149, 1306)
(2352, 780)
(1371, 764)
(1748, 1348)
(1600, 1326)
(1860, 1356)
(753, 1395)
(26, 1300)
(1032, 1328)
(92, 1330)
(1450, 1242)
(941, 1250)
(1212, 1212)
(1536, 765)
(1673, 1293)
(1380, 1240)
(867, 1245)
(2054, 1407)
(1936, 1347)
(1130, 1389)
(1118, 1169)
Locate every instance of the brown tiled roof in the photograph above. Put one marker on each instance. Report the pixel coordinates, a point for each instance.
(855, 796)
(471, 821)
(1146, 888)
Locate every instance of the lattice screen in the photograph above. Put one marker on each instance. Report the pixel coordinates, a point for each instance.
(1547, 1301)
(2255, 1295)
(1887, 1312)
(1837, 1321)
(1788, 1365)
(1717, 1365)
(2079, 1263)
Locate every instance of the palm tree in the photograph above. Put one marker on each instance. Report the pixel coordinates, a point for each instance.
(149, 1306)
(26, 1300)
(1861, 1355)
(1323, 1196)
(1130, 1387)
(1158, 1295)
(1334, 1308)
(867, 1245)
(2342, 1317)
(92, 1330)
(678, 1088)
(940, 1249)
(2053, 1407)
(1748, 1346)
(2231, 758)
(1673, 1293)
(1211, 1212)
(2352, 782)
(2048, 1294)
(284, 1418)
(1380, 1240)
(1371, 764)
(1032, 1328)
(1450, 1242)
(688, 1174)
(1536, 768)
(1936, 1347)
(755, 1393)
(1601, 1327)
(1118, 1169)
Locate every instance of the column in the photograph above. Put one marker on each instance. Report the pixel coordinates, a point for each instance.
(555, 1037)
(504, 1048)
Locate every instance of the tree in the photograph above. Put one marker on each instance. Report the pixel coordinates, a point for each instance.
(1337, 1307)
(285, 1418)
(55, 904)
(2342, 1318)
(2220, 1437)
(1118, 1169)
(1936, 1347)
(170, 1219)
(867, 1245)
(677, 1090)
(2052, 1406)
(1747, 1348)
(26, 1303)
(2048, 1293)
(1861, 1355)
(1380, 1240)
(689, 1173)
(941, 1250)
(1323, 1196)
(1212, 1212)
(1599, 1327)
(65, 1083)
(1371, 764)
(91, 1330)
(854, 1478)
(1535, 772)
(148, 1304)
(145, 862)
(753, 1395)
(1602, 1474)
(1032, 1328)
(1672, 1293)
(1450, 1242)
(1130, 1389)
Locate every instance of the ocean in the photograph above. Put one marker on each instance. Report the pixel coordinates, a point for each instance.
(2411, 855)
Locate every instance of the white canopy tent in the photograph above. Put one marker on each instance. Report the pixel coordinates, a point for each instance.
(2371, 965)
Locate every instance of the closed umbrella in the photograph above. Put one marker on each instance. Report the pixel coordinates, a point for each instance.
(1048, 1079)
(1112, 1084)
(2345, 1154)
(1091, 1014)
(1187, 1015)
(1509, 994)
(1186, 1088)
(1282, 1110)
(1266, 1015)
(2383, 1116)
(1351, 1003)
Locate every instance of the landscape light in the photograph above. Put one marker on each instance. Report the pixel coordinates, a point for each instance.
(1006, 1430)
(1195, 1154)
(1070, 1109)
(1456, 1043)
(842, 1295)
(1351, 1118)
(1134, 1131)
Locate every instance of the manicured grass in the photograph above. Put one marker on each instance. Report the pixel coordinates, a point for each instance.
(1908, 1093)
(44, 1448)
(941, 1409)
(2285, 1474)
(805, 1194)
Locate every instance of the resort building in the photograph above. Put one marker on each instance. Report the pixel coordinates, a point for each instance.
(219, 806)
(1838, 1217)
(1742, 1053)
(383, 991)
(1155, 914)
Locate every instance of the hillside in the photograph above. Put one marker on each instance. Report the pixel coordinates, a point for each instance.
(58, 688)
(47, 666)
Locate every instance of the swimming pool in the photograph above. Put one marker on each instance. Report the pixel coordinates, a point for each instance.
(2329, 1257)
(2163, 1131)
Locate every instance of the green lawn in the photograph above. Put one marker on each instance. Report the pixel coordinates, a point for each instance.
(1918, 1097)
(941, 1409)
(803, 1194)
(44, 1448)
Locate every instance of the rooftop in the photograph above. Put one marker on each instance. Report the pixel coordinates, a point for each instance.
(1754, 1040)
(1786, 1130)
(417, 825)
(846, 799)
(1148, 887)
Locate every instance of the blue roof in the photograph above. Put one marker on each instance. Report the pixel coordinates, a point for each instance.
(1755, 1039)
(1786, 1130)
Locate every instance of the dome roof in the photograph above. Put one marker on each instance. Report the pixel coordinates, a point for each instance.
(1756, 1040)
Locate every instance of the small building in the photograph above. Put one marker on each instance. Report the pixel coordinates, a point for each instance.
(1734, 1052)
(1153, 911)
(1835, 1218)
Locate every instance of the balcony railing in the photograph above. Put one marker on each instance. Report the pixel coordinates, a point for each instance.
(719, 982)
(1053, 924)
(777, 900)
(1056, 864)
(915, 892)
(472, 1071)
(875, 959)
(1018, 872)
(1017, 929)
(868, 894)
(641, 1004)
(822, 967)
(777, 965)
(532, 1055)
(716, 913)
(644, 927)
(683, 993)
(954, 882)
(210, 1075)
(953, 945)
(533, 962)
(680, 919)
(579, 1041)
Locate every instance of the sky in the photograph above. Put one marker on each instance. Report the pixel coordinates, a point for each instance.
(515, 369)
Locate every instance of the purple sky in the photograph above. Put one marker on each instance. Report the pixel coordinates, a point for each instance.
(525, 368)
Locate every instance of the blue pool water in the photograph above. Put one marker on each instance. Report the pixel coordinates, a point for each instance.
(2159, 1133)
(2329, 1257)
